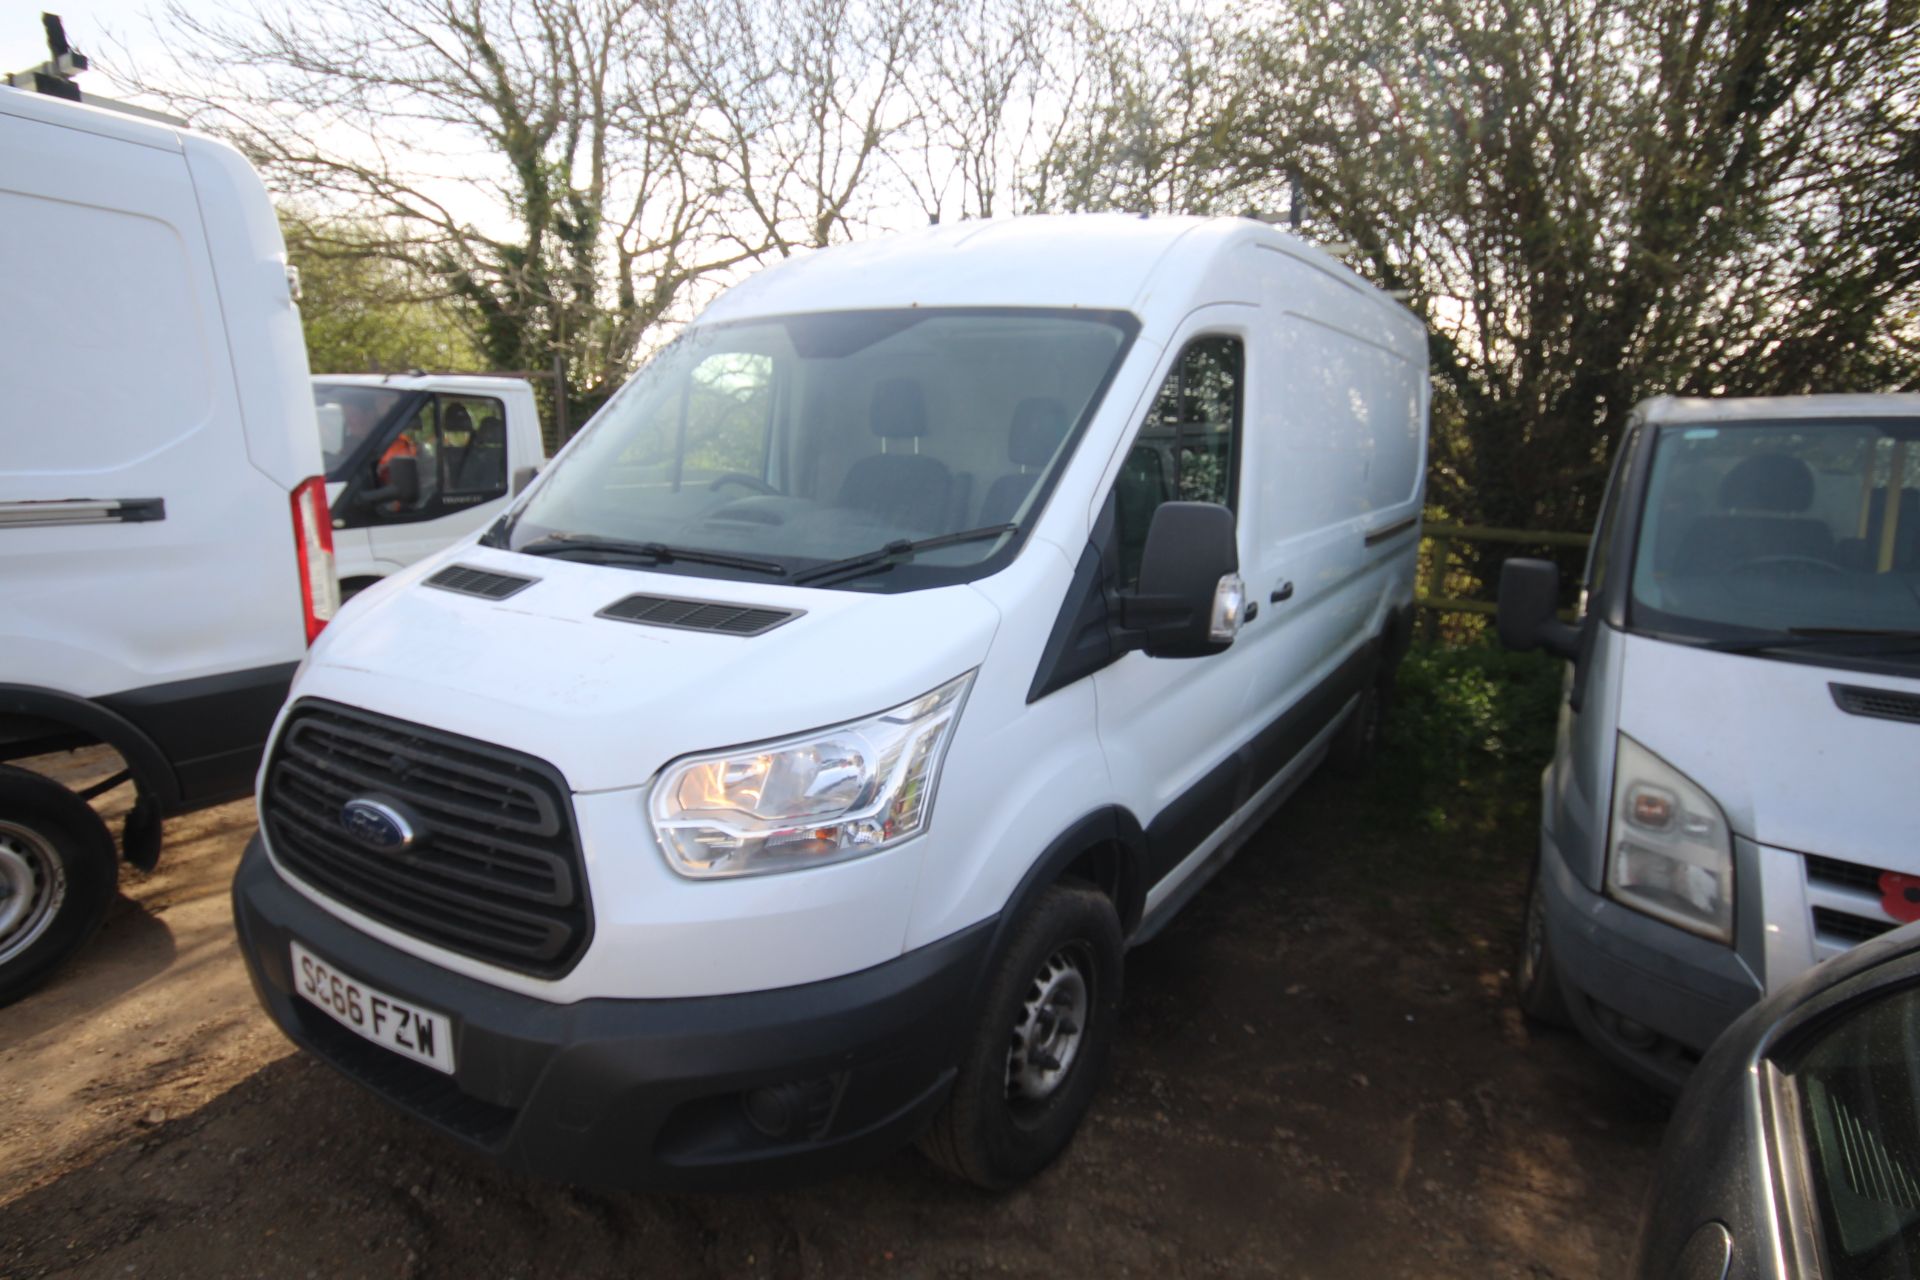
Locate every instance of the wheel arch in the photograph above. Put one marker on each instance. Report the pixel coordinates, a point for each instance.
(1107, 848)
(148, 764)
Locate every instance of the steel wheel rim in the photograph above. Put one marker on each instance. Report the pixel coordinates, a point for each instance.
(33, 884)
(1051, 1026)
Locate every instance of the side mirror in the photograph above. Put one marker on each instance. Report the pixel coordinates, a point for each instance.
(403, 482)
(1190, 601)
(1529, 597)
(333, 428)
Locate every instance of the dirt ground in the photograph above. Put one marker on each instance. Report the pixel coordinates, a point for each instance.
(1319, 1074)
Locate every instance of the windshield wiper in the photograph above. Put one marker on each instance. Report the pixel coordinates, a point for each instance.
(898, 552)
(1862, 640)
(586, 544)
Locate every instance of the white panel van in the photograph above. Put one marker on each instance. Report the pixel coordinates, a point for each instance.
(1732, 796)
(786, 776)
(164, 545)
(415, 462)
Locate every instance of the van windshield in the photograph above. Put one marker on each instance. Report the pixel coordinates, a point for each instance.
(1763, 531)
(780, 447)
(348, 414)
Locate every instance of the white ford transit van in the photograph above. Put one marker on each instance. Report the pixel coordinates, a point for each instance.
(416, 462)
(1733, 795)
(164, 546)
(787, 775)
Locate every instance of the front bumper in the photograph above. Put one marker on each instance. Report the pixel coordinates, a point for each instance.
(1619, 968)
(641, 1093)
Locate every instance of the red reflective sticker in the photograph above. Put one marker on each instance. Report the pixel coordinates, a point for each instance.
(1900, 896)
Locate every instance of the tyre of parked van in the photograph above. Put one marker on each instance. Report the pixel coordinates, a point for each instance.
(57, 877)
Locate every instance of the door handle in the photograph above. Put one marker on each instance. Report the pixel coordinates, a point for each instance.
(1282, 592)
(1253, 610)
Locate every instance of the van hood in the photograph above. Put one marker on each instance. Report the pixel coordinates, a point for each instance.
(609, 702)
(1766, 739)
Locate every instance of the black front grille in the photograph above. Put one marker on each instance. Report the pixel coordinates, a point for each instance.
(698, 615)
(469, 581)
(1850, 875)
(1881, 704)
(494, 871)
(1851, 928)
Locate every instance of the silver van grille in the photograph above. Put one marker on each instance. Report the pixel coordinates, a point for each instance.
(1845, 898)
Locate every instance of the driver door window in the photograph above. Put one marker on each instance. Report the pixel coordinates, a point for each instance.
(1188, 447)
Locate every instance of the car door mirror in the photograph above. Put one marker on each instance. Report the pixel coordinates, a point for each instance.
(1527, 616)
(1190, 600)
(333, 429)
(403, 482)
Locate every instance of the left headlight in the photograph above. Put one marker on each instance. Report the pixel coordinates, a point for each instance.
(1672, 854)
(807, 801)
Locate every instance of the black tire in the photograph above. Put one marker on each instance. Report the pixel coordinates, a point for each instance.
(58, 872)
(1010, 1115)
(1358, 740)
(1536, 982)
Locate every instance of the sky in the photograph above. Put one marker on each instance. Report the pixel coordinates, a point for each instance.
(23, 42)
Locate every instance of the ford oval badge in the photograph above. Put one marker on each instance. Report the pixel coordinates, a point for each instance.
(376, 824)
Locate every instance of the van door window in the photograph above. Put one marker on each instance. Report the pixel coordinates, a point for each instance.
(1599, 555)
(472, 449)
(460, 448)
(1188, 447)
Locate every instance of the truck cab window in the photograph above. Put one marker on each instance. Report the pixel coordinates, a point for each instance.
(1187, 447)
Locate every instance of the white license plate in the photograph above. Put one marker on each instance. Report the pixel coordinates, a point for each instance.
(399, 1025)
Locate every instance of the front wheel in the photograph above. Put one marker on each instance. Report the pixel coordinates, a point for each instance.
(1536, 983)
(58, 873)
(1041, 1044)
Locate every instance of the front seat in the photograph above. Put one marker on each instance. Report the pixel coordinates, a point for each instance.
(1039, 425)
(1764, 497)
(905, 489)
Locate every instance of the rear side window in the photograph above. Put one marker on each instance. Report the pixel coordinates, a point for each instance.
(1188, 447)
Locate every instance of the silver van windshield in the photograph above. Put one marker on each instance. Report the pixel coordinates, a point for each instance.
(1803, 528)
(804, 440)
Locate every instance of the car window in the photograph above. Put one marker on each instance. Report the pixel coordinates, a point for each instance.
(472, 446)
(1187, 446)
(1859, 1089)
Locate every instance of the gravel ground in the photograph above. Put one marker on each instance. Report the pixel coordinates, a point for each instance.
(1320, 1073)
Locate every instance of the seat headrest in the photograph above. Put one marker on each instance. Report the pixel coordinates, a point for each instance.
(899, 409)
(1767, 482)
(1039, 425)
(456, 418)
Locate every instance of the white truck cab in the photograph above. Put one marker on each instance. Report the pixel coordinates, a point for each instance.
(1732, 798)
(464, 445)
(164, 541)
(787, 775)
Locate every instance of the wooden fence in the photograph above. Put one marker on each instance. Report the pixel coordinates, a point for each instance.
(1439, 537)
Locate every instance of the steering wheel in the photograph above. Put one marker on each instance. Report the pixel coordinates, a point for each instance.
(1802, 563)
(754, 483)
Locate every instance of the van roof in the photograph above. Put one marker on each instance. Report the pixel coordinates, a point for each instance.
(1665, 410)
(105, 121)
(1097, 261)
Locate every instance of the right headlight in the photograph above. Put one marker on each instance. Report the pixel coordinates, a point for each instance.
(1670, 851)
(810, 800)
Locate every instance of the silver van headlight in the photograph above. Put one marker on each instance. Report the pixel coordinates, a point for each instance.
(808, 801)
(1670, 850)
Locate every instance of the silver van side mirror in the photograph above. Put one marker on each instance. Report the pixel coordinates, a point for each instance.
(1529, 597)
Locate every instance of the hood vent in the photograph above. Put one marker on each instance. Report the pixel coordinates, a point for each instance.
(468, 581)
(1882, 704)
(698, 615)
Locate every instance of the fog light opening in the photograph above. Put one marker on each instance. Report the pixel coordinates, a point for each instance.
(798, 1109)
